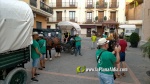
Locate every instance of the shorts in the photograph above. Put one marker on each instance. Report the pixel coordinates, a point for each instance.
(35, 62)
(105, 78)
(122, 56)
(43, 57)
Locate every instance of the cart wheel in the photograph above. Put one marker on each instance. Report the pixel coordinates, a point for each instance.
(16, 76)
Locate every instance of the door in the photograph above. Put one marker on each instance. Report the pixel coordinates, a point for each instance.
(89, 17)
(101, 3)
(113, 3)
(38, 25)
(58, 3)
(89, 3)
(59, 16)
(100, 31)
(113, 15)
(72, 3)
(88, 32)
(100, 16)
(48, 27)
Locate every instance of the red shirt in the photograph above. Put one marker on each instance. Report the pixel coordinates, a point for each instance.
(123, 45)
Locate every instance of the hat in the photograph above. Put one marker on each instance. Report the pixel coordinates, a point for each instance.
(102, 41)
(35, 33)
(41, 35)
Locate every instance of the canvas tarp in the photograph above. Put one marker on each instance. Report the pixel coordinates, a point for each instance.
(16, 25)
(69, 25)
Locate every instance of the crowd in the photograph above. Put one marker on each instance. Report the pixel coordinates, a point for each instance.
(39, 51)
(110, 53)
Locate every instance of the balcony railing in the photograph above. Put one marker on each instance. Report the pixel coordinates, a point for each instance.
(113, 5)
(89, 21)
(102, 5)
(45, 7)
(64, 4)
(89, 6)
(57, 19)
(33, 3)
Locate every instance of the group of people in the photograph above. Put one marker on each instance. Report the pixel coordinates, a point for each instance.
(107, 59)
(38, 52)
(77, 39)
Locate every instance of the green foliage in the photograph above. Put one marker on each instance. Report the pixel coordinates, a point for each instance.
(105, 18)
(97, 3)
(105, 4)
(134, 38)
(127, 38)
(146, 49)
(96, 18)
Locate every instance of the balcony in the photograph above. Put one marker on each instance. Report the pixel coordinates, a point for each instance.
(89, 21)
(40, 8)
(99, 21)
(113, 5)
(46, 8)
(89, 6)
(64, 5)
(58, 19)
(33, 3)
(102, 5)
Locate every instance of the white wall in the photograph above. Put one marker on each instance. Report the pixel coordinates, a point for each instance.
(83, 31)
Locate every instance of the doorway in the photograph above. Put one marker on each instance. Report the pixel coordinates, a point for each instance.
(88, 32)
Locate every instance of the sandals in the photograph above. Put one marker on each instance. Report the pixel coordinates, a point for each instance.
(40, 68)
(123, 74)
(118, 76)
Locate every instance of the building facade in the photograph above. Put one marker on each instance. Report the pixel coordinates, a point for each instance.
(42, 11)
(89, 14)
(146, 22)
(134, 14)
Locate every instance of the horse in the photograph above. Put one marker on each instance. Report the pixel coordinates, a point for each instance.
(53, 42)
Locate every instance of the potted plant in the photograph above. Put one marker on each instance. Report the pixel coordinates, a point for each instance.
(97, 3)
(105, 18)
(134, 39)
(105, 4)
(146, 48)
(96, 18)
(146, 51)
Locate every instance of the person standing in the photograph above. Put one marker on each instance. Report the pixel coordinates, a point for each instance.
(106, 60)
(78, 45)
(42, 44)
(48, 48)
(35, 55)
(123, 45)
(93, 38)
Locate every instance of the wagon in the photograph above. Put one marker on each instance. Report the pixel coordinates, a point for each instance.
(71, 28)
(16, 23)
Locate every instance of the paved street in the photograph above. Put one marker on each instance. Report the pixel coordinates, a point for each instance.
(62, 70)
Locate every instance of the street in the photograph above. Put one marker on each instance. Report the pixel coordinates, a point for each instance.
(62, 70)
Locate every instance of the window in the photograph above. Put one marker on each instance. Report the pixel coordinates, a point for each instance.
(89, 15)
(89, 2)
(72, 14)
(38, 25)
(72, 2)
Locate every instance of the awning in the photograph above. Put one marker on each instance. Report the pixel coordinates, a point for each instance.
(127, 26)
